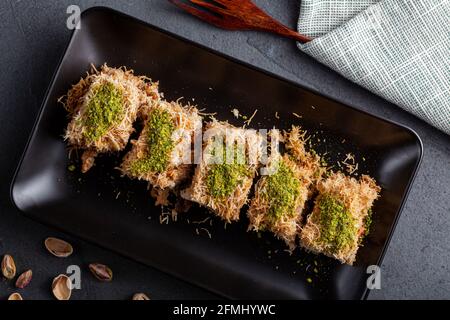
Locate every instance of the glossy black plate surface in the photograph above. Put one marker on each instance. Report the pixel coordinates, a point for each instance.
(118, 214)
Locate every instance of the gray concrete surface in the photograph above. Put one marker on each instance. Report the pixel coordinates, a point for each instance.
(32, 38)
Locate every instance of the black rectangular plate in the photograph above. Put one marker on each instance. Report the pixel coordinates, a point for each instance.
(233, 263)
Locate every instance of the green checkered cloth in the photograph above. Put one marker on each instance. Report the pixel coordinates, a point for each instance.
(398, 49)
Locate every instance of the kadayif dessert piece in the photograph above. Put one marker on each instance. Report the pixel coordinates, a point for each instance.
(224, 177)
(280, 196)
(341, 216)
(103, 107)
(162, 155)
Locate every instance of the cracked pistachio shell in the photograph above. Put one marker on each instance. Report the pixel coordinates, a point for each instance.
(59, 248)
(15, 296)
(101, 272)
(62, 287)
(140, 296)
(8, 267)
(24, 279)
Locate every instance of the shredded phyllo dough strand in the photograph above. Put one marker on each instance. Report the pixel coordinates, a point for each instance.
(103, 107)
(348, 203)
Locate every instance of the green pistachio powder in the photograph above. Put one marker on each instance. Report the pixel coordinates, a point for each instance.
(368, 223)
(282, 191)
(103, 111)
(222, 179)
(338, 227)
(160, 128)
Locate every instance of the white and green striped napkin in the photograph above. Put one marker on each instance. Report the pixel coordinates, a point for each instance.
(398, 49)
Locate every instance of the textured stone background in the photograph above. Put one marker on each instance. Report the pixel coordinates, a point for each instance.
(32, 39)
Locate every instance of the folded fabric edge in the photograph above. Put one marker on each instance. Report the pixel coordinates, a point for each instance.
(318, 17)
(426, 113)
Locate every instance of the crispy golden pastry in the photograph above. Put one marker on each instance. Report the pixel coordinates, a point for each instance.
(341, 216)
(163, 153)
(103, 107)
(280, 196)
(223, 179)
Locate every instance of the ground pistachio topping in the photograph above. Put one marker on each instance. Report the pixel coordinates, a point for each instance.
(367, 223)
(282, 191)
(223, 179)
(338, 227)
(160, 128)
(104, 110)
